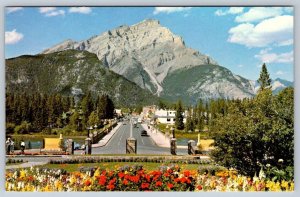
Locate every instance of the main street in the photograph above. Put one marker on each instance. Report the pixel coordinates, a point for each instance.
(145, 144)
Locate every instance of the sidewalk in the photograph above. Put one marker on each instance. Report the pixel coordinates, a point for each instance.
(107, 137)
(159, 138)
(25, 165)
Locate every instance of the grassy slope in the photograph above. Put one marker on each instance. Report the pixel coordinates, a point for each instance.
(59, 72)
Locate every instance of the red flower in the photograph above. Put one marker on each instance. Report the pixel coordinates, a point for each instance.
(110, 187)
(177, 180)
(170, 185)
(147, 177)
(112, 181)
(187, 173)
(134, 179)
(102, 180)
(199, 187)
(183, 180)
(158, 183)
(166, 174)
(121, 174)
(125, 182)
(145, 185)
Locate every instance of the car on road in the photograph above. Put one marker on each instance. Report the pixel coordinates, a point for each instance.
(144, 133)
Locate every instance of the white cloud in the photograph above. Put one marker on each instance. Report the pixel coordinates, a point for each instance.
(267, 57)
(81, 10)
(240, 65)
(259, 13)
(277, 30)
(46, 9)
(236, 10)
(169, 10)
(279, 72)
(232, 10)
(51, 11)
(56, 13)
(220, 12)
(12, 37)
(13, 9)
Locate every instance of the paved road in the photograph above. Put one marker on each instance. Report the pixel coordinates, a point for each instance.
(145, 145)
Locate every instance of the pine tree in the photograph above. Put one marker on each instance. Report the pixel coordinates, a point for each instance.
(264, 78)
(189, 125)
(179, 117)
(200, 116)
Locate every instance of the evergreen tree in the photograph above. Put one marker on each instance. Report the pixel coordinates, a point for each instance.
(200, 116)
(105, 107)
(87, 106)
(179, 116)
(264, 78)
(93, 119)
(189, 125)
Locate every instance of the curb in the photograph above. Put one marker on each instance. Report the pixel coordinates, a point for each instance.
(112, 134)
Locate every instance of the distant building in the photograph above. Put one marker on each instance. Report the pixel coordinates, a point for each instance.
(118, 112)
(167, 116)
(148, 111)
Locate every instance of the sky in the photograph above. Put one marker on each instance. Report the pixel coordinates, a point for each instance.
(238, 38)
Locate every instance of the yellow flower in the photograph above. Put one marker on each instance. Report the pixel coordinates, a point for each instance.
(97, 172)
(291, 187)
(22, 173)
(58, 185)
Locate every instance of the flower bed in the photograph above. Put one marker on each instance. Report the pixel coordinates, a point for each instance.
(135, 178)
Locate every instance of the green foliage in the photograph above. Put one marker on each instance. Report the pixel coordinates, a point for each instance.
(189, 125)
(93, 119)
(59, 73)
(179, 116)
(264, 78)
(256, 131)
(23, 128)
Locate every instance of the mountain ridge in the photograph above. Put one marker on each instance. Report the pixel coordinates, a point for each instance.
(151, 56)
(72, 72)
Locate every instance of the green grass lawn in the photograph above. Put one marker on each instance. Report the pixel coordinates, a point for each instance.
(182, 134)
(116, 165)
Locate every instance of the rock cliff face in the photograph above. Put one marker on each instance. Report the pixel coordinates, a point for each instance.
(154, 58)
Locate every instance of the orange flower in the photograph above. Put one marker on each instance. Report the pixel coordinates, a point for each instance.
(199, 187)
(87, 182)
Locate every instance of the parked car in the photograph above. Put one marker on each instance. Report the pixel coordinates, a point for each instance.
(144, 133)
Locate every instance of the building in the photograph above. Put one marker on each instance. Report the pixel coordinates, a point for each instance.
(118, 112)
(148, 112)
(167, 116)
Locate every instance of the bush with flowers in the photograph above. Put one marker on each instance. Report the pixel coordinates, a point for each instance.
(136, 178)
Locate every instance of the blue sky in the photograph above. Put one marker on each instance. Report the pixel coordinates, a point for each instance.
(238, 38)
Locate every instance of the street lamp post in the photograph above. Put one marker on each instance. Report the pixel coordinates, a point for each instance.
(173, 142)
(131, 142)
(89, 129)
(173, 132)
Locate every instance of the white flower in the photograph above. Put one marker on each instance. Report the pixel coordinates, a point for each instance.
(280, 160)
(261, 174)
(268, 165)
